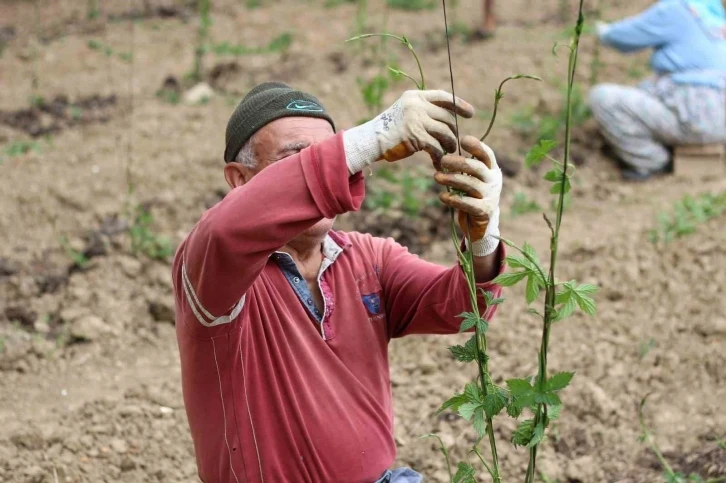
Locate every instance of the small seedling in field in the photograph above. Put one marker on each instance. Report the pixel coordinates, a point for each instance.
(669, 475)
(93, 11)
(546, 479)
(635, 71)
(169, 96)
(645, 347)
(595, 64)
(421, 85)
(77, 257)
(372, 92)
(521, 205)
(19, 148)
(411, 183)
(100, 47)
(107, 50)
(335, 3)
(76, 112)
(281, 43)
(143, 238)
(687, 214)
(205, 21)
(545, 126)
(411, 4)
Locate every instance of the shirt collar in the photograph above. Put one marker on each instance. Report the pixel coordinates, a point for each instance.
(333, 245)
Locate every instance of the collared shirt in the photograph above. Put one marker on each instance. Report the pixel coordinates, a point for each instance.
(331, 249)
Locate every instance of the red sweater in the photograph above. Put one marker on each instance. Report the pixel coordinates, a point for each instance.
(267, 397)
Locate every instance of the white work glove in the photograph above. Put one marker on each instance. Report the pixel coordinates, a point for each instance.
(481, 181)
(601, 28)
(418, 121)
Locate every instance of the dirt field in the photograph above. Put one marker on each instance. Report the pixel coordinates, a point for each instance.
(89, 373)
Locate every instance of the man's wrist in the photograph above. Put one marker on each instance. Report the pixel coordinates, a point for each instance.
(488, 245)
(361, 147)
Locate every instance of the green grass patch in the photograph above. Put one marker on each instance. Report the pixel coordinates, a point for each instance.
(281, 43)
(687, 214)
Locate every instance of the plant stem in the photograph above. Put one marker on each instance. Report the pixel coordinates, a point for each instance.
(541, 411)
(203, 6)
(444, 451)
(498, 95)
(404, 41)
(36, 52)
(595, 63)
(483, 461)
(482, 360)
(648, 438)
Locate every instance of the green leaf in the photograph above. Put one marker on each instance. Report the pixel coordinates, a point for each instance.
(537, 436)
(558, 187)
(453, 403)
(549, 398)
(559, 381)
(516, 261)
(532, 290)
(464, 474)
(587, 289)
(513, 410)
(553, 412)
(479, 423)
(530, 251)
(524, 433)
(470, 320)
(508, 279)
(519, 387)
(467, 410)
(490, 299)
(465, 353)
(539, 152)
(524, 401)
(554, 175)
(494, 402)
(586, 304)
(566, 310)
(472, 393)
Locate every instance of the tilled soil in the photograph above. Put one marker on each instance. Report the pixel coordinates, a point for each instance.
(89, 373)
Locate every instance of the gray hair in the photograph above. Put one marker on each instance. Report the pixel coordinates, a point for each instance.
(246, 155)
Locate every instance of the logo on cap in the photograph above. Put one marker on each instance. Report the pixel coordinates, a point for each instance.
(307, 106)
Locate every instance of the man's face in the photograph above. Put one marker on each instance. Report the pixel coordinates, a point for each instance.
(278, 140)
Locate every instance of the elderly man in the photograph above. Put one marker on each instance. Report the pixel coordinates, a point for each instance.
(283, 324)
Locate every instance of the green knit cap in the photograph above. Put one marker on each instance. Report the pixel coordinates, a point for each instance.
(263, 104)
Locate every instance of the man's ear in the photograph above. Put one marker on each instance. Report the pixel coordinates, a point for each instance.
(235, 174)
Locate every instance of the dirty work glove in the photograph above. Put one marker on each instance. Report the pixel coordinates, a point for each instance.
(418, 121)
(480, 179)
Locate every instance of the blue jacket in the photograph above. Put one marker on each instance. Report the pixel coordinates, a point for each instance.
(683, 46)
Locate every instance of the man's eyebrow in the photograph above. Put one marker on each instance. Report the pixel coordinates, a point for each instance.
(296, 146)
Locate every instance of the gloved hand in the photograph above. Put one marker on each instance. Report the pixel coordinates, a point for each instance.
(418, 121)
(601, 27)
(481, 181)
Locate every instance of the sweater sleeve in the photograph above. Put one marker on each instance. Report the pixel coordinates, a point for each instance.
(423, 297)
(656, 26)
(230, 245)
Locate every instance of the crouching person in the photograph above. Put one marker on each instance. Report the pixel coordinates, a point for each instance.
(684, 102)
